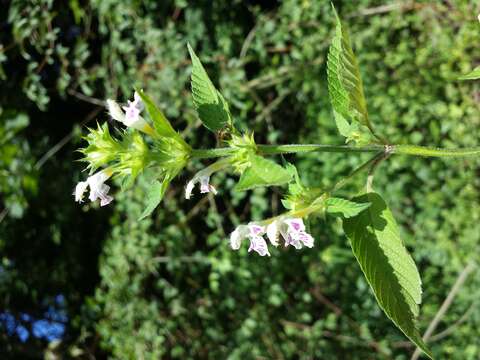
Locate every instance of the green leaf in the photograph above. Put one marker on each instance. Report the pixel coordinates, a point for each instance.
(294, 174)
(211, 106)
(472, 75)
(344, 207)
(262, 172)
(160, 122)
(345, 88)
(386, 264)
(155, 195)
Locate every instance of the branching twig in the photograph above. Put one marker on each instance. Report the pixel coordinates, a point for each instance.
(402, 6)
(86, 98)
(54, 149)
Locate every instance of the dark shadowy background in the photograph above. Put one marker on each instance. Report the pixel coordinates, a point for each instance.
(77, 281)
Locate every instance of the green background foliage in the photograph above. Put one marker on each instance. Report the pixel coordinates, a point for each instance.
(170, 286)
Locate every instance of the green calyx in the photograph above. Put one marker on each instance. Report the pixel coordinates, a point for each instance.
(102, 148)
(244, 148)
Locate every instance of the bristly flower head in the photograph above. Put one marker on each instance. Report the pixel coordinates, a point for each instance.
(131, 117)
(102, 147)
(245, 147)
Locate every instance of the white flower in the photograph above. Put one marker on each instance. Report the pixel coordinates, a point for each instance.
(205, 186)
(131, 117)
(296, 235)
(292, 231)
(98, 188)
(258, 244)
(132, 111)
(254, 233)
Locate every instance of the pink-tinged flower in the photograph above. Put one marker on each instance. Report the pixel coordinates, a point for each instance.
(254, 233)
(132, 111)
(205, 186)
(296, 234)
(131, 117)
(292, 231)
(258, 244)
(98, 188)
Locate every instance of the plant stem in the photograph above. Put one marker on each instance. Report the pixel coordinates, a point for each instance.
(299, 148)
(211, 153)
(413, 150)
(359, 169)
(433, 152)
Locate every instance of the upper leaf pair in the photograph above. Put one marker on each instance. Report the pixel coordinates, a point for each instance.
(213, 111)
(211, 106)
(346, 90)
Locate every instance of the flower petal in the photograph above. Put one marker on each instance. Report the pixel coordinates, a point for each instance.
(305, 238)
(115, 111)
(255, 229)
(98, 190)
(105, 200)
(80, 190)
(295, 242)
(273, 232)
(189, 189)
(205, 187)
(237, 236)
(295, 224)
(258, 244)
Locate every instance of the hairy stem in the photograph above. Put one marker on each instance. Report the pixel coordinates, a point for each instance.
(412, 150)
(434, 152)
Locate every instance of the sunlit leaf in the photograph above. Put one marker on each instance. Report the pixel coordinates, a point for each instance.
(263, 172)
(344, 207)
(472, 75)
(387, 265)
(211, 106)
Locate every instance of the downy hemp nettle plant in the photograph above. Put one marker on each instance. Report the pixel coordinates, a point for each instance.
(367, 220)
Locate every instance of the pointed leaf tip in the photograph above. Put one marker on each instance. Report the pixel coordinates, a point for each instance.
(211, 106)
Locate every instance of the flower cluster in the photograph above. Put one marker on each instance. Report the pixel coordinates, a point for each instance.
(291, 229)
(165, 154)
